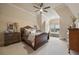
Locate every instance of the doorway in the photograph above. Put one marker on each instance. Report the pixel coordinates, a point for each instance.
(54, 27)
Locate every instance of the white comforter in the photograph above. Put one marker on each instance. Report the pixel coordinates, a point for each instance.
(31, 37)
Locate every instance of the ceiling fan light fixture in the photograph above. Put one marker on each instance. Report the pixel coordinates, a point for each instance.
(41, 10)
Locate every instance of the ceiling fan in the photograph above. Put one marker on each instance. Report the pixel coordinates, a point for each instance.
(41, 8)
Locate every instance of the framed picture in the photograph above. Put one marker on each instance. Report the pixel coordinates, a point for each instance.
(12, 27)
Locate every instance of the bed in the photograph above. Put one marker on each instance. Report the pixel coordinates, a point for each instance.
(34, 38)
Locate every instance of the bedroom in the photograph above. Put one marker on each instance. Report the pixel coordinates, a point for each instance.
(24, 14)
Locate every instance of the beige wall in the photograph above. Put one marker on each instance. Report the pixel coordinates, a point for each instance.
(10, 14)
(54, 21)
(65, 19)
(39, 21)
(43, 22)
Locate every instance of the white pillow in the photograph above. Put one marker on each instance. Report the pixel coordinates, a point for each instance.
(27, 31)
(33, 31)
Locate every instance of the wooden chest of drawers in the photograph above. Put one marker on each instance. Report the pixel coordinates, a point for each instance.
(12, 37)
(74, 39)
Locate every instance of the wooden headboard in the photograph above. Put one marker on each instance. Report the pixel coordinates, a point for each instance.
(28, 27)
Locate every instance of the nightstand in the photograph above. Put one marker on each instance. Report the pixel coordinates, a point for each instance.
(11, 37)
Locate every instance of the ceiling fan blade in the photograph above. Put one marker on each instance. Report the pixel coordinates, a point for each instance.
(36, 7)
(45, 11)
(36, 10)
(41, 4)
(46, 7)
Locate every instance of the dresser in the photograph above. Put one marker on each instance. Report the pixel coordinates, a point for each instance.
(74, 39)
(11, 37)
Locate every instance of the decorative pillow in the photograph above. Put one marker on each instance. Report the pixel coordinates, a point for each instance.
(33, 31)
(27, 31)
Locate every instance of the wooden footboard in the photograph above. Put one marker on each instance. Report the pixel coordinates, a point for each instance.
(40, 40)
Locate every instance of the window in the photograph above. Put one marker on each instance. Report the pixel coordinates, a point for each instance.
(54, 27)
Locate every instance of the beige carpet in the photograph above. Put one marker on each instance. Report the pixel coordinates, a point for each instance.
(55, 46)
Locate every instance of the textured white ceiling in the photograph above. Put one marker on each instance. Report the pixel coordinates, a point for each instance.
(74, 7)
(51, 14)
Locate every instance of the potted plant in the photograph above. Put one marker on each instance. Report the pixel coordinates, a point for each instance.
(74, 19)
